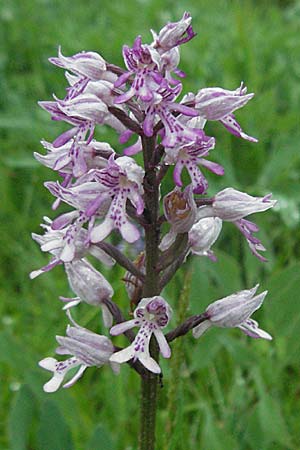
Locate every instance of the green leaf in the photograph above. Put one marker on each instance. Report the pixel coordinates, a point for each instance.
(282, 303)
(253, 433)
(53, 432)
(20, 418)
(200, 356)
(12, 352)
(288, 207)
(23, 162)
(100, 440)
(272, 422)
(270, 415)
(213, 280)
(279, 165)
(213, 436)
(226, 272)
(240, 347)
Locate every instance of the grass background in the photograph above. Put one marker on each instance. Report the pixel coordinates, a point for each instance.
(224, 391)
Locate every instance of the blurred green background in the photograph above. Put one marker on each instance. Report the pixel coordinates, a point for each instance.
(224, 391)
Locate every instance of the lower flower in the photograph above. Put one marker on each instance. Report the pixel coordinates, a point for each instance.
(87, 349)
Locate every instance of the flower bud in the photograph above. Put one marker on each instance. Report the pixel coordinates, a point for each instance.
(90, 286)
(86, 282)
(180, 209)
(204, 234)
(173, 33)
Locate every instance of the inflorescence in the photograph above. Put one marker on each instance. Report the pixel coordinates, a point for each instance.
(105, 191)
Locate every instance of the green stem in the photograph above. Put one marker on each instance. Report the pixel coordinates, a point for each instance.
(178, 356)
(148, 405)
(150, 288)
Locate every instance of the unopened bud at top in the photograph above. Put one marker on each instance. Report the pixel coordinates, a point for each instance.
(174, 33)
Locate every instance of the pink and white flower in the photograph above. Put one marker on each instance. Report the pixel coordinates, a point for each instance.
(151, 315)
(235, 311)
(90, 286)
(219, 104)
(123, 179)
(233, 206)
(88, 349)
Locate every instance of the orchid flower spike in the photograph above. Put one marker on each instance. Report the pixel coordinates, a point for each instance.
(235, 311)
(151, 315)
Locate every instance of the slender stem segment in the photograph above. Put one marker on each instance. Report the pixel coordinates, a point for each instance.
(150, 288)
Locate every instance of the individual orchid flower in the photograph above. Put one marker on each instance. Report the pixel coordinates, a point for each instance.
(105, 196)
(83, 130)
(61, 158)
(88, 349)
(167, 62)
(151, 315)
(219, 104)
(175, 132)
(180, 211)
(191, 155)
(233, 206)
(84, 106)
(235, 311)
(56, 241)
(91, 200)
(90, 286)
(203, 235)
(85, 64)
(123, 179)
(139, 63)
(84, 111)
